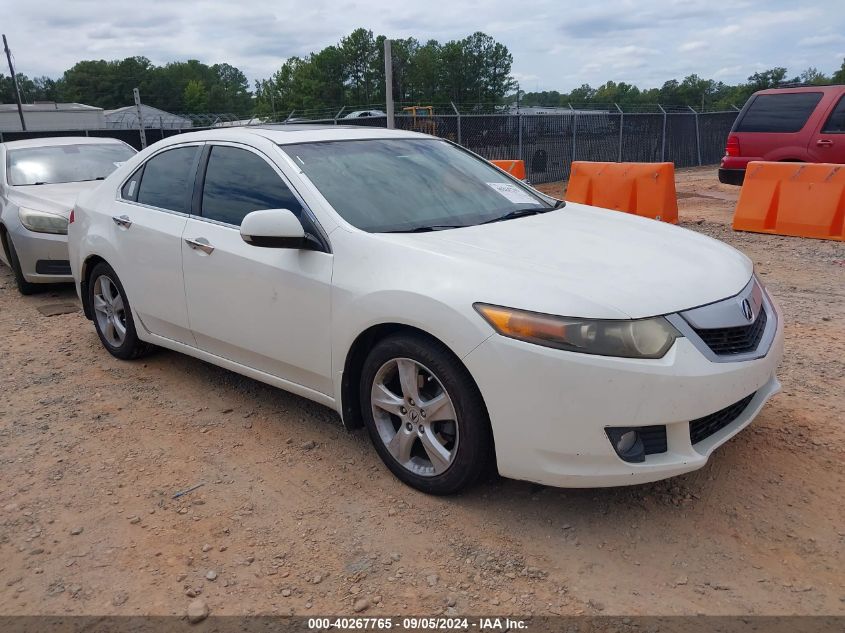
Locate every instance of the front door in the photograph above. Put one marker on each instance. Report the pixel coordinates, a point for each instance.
(266, 308)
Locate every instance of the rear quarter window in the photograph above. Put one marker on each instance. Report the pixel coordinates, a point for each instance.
(787, 112)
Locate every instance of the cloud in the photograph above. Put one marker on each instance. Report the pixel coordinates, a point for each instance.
(821, 40)
(687, 47)
(556, 44)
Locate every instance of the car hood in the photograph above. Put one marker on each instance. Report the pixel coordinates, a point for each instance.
(58, 198)
(590, 262)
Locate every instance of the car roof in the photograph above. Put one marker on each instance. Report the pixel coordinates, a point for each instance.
(288, 134)
(54, 141)
(774, 91)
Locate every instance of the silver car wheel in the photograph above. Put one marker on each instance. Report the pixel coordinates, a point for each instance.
(415, 417)
(110, 311)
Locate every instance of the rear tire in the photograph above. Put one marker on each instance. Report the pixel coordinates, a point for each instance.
(424, 414)
(113, 314)
(24, 287)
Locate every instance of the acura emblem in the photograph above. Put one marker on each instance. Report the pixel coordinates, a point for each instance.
(746, 309)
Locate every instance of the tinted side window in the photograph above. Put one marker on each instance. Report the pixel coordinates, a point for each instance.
(130, 188)
(238, 182)
(787, 112)
(168, 180)
(836, 120)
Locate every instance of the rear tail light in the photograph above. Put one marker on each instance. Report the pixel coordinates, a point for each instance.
(71, 218)
(732, 146)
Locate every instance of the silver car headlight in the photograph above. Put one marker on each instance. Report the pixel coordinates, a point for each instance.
(43, 221)
(636, 338)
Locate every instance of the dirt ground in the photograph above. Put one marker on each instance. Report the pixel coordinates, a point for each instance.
(295, 515)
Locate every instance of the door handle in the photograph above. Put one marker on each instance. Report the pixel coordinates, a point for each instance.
(824, 142)
(200, 244)
(122, 221)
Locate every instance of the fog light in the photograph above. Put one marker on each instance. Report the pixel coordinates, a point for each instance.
(627, 443)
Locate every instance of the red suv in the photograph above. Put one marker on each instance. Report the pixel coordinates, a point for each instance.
(786, 124)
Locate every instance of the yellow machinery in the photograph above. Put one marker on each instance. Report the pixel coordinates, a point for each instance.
(423, 119)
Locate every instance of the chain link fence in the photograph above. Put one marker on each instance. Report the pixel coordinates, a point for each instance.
(548, 143)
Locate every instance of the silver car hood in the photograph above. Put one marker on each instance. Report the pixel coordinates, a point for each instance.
(58, 198)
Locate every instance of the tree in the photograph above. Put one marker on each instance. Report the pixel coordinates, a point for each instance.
(813, 77)
(839, 76)
(359, 54)
(195, 98)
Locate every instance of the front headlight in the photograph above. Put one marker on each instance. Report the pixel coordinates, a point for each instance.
(639, 338)
(43, 221)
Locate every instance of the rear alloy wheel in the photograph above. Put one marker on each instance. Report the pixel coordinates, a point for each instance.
(424, 414)
(112, 314)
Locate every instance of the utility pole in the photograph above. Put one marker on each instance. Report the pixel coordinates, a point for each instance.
(517, 97)
(143, 132)
(388, 83)
(14, 82)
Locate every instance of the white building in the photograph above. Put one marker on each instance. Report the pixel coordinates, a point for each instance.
(127, 118)
(42, 116)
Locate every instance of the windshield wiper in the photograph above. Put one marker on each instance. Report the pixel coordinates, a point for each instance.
(519, 213)
(427, 228)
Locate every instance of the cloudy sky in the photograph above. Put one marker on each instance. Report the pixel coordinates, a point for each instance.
(555, 44)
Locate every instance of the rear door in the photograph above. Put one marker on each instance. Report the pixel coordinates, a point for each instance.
(149, 218)
(827, 144)
(266, 308)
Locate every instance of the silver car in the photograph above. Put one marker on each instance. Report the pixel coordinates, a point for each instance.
(39, 183)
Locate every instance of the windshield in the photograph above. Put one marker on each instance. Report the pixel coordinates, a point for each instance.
(381, 185)
(65, 163)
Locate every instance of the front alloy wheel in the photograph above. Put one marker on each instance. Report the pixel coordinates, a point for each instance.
(415, 417)
(424, 414)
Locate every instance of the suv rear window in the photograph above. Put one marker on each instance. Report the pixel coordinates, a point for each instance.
(787, 112)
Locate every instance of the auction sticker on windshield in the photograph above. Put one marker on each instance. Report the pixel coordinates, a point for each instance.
(512, 193)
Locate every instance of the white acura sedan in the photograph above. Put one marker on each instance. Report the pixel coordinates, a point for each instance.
(464, 318)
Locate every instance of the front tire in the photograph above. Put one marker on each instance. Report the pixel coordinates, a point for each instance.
(113, 314)
(24, 287)
(424, 414)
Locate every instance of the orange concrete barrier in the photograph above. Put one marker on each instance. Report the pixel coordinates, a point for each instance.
(515, 168)
(800, 199)
(644, 189)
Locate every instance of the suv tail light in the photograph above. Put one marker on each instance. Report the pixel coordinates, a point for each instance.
(71, 218)
(732, 146)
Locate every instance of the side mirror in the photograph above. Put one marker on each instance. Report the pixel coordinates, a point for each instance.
(273, 228)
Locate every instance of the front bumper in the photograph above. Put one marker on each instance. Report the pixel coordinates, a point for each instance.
(43, 256)
(549, 408)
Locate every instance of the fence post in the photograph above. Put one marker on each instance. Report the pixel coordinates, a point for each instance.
(137, 95)
(621, 123)
(574, 127)
(663, 142)
(519, 125)
(457, 114)
(697, 136)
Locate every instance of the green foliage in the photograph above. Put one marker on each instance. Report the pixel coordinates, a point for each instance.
(469, 71)
(692, 91)
(473, 70)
